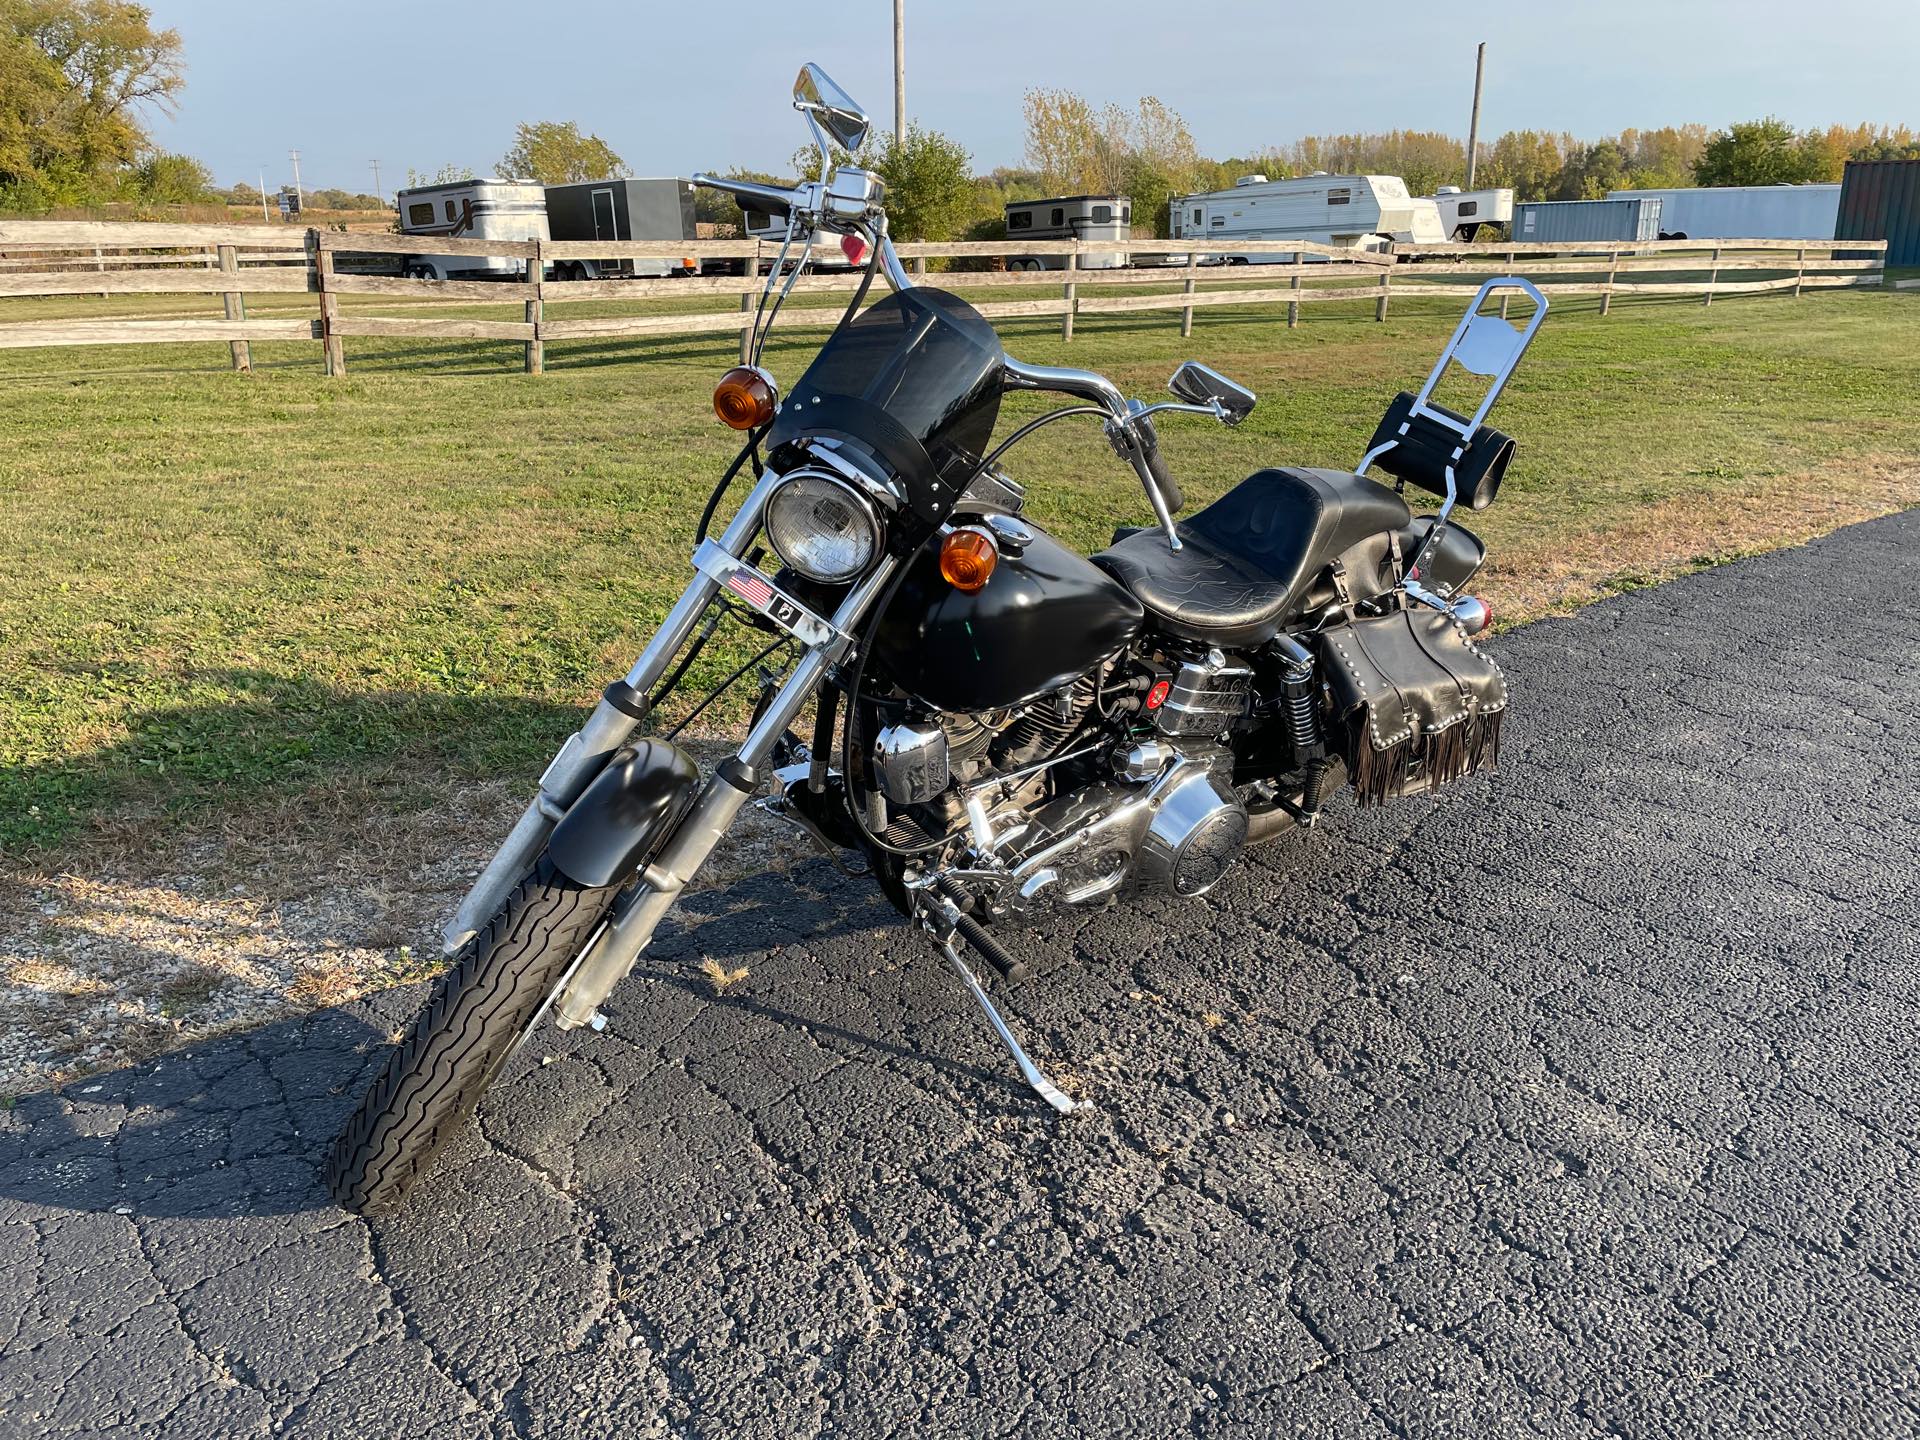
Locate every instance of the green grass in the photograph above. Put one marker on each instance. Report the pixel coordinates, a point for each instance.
(211, 584)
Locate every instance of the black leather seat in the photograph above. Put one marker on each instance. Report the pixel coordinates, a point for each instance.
(1245, 557)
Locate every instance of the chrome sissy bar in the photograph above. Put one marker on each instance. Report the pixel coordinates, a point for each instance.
(1482, 344)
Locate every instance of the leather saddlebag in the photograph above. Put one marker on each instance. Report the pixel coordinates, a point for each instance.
(1420, 703)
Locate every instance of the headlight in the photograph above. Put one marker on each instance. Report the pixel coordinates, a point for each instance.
(822, 527)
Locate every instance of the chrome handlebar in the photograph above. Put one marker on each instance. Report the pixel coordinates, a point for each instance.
(849, 200)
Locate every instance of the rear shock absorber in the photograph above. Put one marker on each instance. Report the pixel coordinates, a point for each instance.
(1301, 716)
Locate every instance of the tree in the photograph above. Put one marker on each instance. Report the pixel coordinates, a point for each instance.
(1888, 149)
(75, 79)
(1526, 161)
(558, 154)
(446, 175)
(929, 180)
(167, 179)
(1758, 152)
(1063, 139)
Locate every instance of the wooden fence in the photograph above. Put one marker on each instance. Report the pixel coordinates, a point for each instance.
(234, 262)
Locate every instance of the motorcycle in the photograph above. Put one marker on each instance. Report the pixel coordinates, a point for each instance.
(978, 717)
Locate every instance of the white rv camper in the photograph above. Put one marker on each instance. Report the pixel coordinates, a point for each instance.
(1463, 212)
(1364, 212)
(1071, 217)
(488, 209)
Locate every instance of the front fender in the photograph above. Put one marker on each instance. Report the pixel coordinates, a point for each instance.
(620, 819)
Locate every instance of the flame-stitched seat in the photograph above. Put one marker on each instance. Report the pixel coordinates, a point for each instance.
(1245, 557)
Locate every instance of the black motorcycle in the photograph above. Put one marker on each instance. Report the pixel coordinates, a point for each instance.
(981, 719)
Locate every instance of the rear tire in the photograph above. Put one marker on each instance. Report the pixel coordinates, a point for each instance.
(473, 1022)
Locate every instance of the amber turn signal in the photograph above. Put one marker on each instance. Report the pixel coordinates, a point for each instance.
(744, 398)
(967, 558)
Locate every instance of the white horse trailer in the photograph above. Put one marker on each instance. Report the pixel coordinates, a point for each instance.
(488, 209)
(1363, 212)
(771, 231)
(1463, 212)
(1071, 217)
(1744, 212)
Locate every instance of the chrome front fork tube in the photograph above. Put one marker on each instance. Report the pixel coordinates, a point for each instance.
(586, 751)
(640, 911)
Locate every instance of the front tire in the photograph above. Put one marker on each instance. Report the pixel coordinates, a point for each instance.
(475, 1018)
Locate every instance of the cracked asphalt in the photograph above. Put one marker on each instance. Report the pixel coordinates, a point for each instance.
(1578, 1101)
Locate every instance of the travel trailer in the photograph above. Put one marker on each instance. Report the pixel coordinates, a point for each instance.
(655, 209)
(1365, 212)
(1744, 212)
(1464, 212)
(1070, 217)
(490, 209)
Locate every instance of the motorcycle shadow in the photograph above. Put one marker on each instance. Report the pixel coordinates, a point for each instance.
(237, 1127)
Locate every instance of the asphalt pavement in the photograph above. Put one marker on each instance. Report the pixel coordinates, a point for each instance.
(1576, 1101)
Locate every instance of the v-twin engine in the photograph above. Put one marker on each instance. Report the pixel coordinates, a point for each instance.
(1165, 823)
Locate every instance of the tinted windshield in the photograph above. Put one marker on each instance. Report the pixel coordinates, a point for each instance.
(926, 361)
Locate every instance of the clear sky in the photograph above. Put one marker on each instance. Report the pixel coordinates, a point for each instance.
(682, 85)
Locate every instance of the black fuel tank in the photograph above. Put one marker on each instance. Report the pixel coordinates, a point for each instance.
(1044, 618)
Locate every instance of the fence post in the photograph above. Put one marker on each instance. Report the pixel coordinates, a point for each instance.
(1513, 259)
(749, 275)
(1713, 275)
(536, 309)
(1800, 274)
(1186, 313)
(334, 355)
(235, 307)
(1293, 306)
(1613, 266)
(1069, 291)
(1380, 305)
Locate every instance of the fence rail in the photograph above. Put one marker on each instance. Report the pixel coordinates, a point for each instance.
(66, 258)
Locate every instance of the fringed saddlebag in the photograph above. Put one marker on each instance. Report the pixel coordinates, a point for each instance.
(1421, 704)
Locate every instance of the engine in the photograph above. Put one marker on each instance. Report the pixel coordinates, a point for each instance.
(1116, 783)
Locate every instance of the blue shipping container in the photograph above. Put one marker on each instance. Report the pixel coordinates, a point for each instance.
(1557, 222)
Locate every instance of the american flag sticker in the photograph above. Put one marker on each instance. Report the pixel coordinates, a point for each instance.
(751, 588)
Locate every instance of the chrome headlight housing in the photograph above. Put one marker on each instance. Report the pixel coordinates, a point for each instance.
(821, 527)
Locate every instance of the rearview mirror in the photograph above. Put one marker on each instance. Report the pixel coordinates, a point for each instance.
(838, 113)
(1199, 384)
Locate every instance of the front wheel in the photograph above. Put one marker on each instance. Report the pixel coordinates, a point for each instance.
(476, 1017)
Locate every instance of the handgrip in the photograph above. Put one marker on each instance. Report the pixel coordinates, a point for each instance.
(768, 199)
(1149, 442)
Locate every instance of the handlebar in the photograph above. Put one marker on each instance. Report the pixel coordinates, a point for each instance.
(770, 199)
(1130, 431)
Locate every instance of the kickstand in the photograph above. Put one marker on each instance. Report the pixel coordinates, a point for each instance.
(1030, 1072)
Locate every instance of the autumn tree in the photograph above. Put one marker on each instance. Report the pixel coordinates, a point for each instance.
(78, 79)
(558, 154)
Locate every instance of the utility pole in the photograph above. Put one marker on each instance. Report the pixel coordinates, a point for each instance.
(264, 215)
(899, 71)
(295, 156)
(378, 194)
(1473, 126)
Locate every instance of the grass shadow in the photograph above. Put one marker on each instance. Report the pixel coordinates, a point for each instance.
(271, 732)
